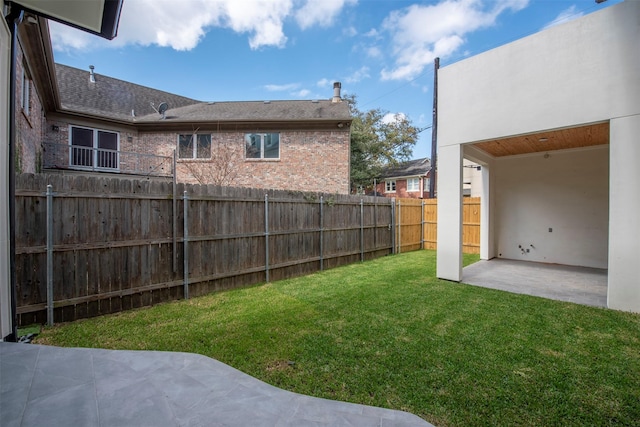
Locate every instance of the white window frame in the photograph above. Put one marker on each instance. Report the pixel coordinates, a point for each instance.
(390, 186)
(262, 146)
(94, 149)
(194, 148)
(413, 185)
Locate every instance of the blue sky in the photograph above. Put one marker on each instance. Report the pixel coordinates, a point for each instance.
(236, 50)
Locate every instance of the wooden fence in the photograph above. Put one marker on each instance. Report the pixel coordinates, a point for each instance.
(417, 223)
(87, 246)
(98, 245)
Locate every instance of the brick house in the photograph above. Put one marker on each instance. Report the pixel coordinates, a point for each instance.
(81, 121)
(406, 180)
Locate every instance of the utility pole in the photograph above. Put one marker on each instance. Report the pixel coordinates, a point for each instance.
(434, 131)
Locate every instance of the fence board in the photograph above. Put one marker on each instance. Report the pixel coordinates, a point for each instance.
(113, 239)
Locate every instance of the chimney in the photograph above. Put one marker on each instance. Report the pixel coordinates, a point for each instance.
(336, 92)
(92, 76)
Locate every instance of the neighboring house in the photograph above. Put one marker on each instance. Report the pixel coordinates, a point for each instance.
(412, 179)
(81, 120)
(553, 119)
(407, 180)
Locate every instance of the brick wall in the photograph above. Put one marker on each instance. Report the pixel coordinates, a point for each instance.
(401, 190)
(309, 160)
(30, 121)
(316, 161)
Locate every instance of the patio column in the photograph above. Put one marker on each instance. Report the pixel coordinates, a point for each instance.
(449, 258)
(624, 222)
(487, 246)
(487, 213)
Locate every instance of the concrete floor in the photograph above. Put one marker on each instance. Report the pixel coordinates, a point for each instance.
(53, 386)
(580, 285)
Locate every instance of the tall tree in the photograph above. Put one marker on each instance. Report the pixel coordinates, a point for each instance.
(377, 142)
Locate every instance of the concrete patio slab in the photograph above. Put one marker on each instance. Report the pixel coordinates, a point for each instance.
(580, 285)
(45, 385)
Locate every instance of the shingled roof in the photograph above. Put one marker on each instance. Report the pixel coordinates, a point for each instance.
(418, 167)
(123, 101)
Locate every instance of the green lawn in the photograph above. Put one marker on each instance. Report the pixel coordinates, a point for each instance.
(388, 333)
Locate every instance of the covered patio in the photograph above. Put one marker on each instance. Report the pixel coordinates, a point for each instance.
(558, 144)
(580, 285)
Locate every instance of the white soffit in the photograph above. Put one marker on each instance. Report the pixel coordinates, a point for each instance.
(95, 16)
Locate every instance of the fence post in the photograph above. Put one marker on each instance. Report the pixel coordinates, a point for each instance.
(392, 226)
(50, 255)
(175, 214)
(399, 222)
(361, 230)
(321, 233)
(422, 225)
(266, 237)
(185, 246)
(375, 219)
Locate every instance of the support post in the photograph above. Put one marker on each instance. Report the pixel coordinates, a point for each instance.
(175, 215)
(361, 230)
(392, 226)
(185, 246)
(50, 255)
(422, 225)
(321, 233)
(266, 237)
(399, 223)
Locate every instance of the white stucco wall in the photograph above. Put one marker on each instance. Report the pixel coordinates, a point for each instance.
(565, 191)
(580, 72)
(624, 211)
(5, 294)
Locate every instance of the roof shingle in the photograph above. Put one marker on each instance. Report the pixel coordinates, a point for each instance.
(120, 100)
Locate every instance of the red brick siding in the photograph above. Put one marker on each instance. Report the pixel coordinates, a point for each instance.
(309, 160)
(29, 127)
(401, 190)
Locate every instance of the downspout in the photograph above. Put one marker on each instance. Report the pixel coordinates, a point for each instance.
(14, 18)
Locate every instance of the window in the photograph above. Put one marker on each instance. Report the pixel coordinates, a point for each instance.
(262, 145)
(93, 148)
(194, 146)
(413, 184)
(26, 93)
(390, 186)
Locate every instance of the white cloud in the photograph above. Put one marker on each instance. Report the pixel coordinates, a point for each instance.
(420, 33)
(350, 32)
(302, 93)
(320, 12)
(373, 33)
(374, 52)
(393, 118)
(564, 16)
(281, 88)
(358, 75)
(325, 82)
(182, 24)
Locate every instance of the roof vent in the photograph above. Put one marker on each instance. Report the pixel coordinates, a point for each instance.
(267, 102)
(162, 109)
(315, 101)
(92, 76)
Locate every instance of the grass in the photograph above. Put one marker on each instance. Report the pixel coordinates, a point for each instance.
(388, 333)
